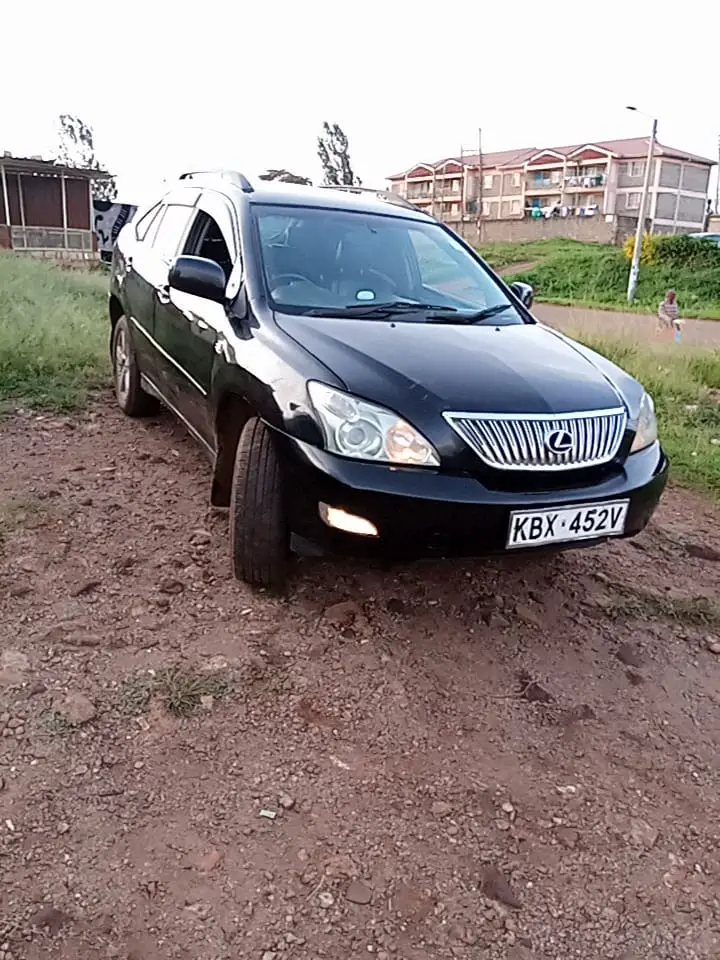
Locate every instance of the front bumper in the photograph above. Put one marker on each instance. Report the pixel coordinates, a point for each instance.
(423, 513)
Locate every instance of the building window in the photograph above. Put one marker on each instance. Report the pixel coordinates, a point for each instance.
(516, 206)
(635, 168)
(488, 181)
(485, 208)
(516, 180)
(632, 201)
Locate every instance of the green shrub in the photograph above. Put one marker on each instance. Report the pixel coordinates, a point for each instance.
(679, 251)
(646, 251)
(682, 251)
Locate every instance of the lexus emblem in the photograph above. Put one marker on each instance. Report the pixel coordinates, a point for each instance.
(559, 441)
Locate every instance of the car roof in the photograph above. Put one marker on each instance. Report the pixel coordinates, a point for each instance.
(354, 199)
(365, 201)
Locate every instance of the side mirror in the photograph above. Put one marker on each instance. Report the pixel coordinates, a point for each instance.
(198, 276)
(524, 292)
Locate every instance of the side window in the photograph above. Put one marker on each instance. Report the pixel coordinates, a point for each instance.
(206, 240)
(171, 231)
(146, 221)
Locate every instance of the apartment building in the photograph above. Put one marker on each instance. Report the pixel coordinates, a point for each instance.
(590, 179)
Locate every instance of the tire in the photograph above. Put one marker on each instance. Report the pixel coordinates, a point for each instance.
(259, 541)
(131, 398)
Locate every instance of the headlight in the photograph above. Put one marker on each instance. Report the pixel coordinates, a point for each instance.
(356, 428)
(646, 433)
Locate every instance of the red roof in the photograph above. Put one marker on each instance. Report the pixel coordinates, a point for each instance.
(632, 148)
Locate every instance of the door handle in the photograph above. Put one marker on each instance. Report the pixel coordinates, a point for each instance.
(163, 294)
(202, 324)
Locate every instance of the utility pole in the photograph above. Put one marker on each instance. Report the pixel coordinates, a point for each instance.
(717, 183)
(462, 192)
(635, 265)
(434, 193)
(480, 185)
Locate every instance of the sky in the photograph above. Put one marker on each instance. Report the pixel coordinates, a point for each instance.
(171, 87)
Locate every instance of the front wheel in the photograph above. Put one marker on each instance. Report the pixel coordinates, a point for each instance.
(131, 398)
(259, 540)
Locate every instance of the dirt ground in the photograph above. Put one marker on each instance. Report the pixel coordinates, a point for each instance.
(476, 760)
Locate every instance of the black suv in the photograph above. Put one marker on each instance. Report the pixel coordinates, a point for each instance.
(363, 382)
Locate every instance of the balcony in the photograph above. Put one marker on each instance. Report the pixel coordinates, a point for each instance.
(451, 193)
(414, 193)
(543, 185)
(586, 182)
(450, 214)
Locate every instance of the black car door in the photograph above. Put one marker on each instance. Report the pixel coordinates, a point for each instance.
(190, 328)
(138, 273)
(167, 241)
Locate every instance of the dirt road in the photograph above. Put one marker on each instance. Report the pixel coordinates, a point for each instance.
(636, 326)
(483, 760)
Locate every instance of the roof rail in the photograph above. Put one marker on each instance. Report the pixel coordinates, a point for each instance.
(383, 194)
(234, 176)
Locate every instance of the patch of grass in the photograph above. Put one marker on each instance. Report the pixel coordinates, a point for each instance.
(642, 605)
(136, 694)
(183, 688)
(56, 725)
(17, 513)
(180, 688)
(19, 510)
(506, 254)
(595, 275)
(53, 333)
(683, 385)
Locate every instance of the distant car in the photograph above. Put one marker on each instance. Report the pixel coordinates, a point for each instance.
(364, 383)
(714, 237)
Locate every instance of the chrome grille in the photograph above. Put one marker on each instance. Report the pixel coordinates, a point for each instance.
(533, 441)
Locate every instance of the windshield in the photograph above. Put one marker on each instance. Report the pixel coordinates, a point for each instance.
(337, 262)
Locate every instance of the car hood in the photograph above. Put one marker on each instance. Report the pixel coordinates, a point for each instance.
(426, 367)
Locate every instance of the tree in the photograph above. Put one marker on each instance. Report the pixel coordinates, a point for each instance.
(76, 148)
(284, 176)
(334, 153)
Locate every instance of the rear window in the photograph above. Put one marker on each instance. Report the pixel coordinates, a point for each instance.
(143, 225)
(171, 230)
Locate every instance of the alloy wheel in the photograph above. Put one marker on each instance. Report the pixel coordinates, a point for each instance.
(122, 365)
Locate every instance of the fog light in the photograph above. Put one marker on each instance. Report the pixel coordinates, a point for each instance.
(340, 520)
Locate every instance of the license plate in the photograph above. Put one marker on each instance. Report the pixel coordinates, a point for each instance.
(535, 528)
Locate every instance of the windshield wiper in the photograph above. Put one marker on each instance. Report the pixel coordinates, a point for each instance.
(378, 309)
(476, 317)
